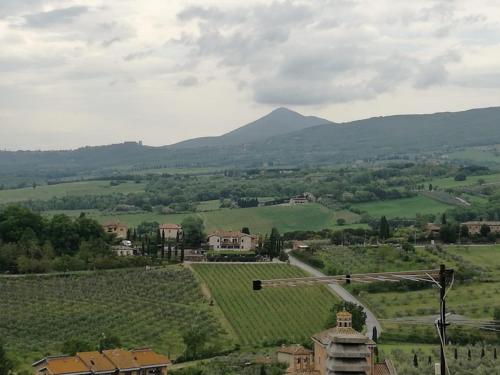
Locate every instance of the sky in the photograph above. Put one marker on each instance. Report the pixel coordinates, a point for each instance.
(93, 72)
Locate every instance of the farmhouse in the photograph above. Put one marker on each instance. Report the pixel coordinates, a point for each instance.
(115, 361)
(123, 251)
(170, 231)
(227, 240)
(299, 199)
(475, 226)
(116, 228)
(299, 359)
(337, 351)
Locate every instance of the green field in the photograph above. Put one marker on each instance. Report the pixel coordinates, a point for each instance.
(449, 182)
(143, 308)
(476, 154)
(45, 192)
(271, 314)
(339, 260)
(403, 208)
(259, 219)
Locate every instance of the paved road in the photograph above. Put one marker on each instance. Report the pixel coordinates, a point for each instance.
(371, 320)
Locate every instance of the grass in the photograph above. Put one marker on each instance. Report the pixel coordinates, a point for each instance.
(45, 192)
(476, 154)
(259, 219)
(269, 315)
(449, 182)
(403, 208)
(143, 308)
(345, 260)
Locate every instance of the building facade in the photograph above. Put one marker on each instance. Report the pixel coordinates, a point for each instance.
(474, 227)
(112, 362)
(170, 231)
(222, 240)
(116, 228)
(337, 351)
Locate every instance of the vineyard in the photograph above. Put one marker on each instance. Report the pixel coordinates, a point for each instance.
(270, 315)
(143, 308)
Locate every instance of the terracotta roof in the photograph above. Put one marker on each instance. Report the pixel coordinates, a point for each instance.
(381, 369)
(325, 337)
(169, 226)
(344, 314)
(296, 349)
(147, 357)
(66, 365)
(96, 362)
(122, 359)
(221, 233)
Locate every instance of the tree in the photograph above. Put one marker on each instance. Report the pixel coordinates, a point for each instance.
(464, 231)
(169, 251)
(374, 334)
(73, 346)
(195, 340)
(273, 245)
(192, 229)
(6, 365)
(430, 187)
(358, 315)
(63, 234)
(245, 230)
(415, 360)
(460, 176)
(109, 342)
(385, 230)
(341, 221)
(443, 219)
(485, 230)
(448, 233)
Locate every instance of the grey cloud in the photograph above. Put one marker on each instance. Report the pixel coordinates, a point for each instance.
(138, 55)
(188, 81)
(54, 17)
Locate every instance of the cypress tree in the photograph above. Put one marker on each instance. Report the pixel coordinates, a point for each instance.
(469, 354)
(169, 251)
(415, 361)
(456, 353)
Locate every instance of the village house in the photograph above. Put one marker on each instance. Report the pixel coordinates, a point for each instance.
(170, 231)
(299, 359)
(116, 228)
(337, 351)
(299, 199)
(474, 227)
(227, 240)
(123, 251)
(433, 230)
(115, 362)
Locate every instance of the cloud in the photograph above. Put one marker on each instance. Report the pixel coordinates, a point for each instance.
(188, 81)
(54, 17)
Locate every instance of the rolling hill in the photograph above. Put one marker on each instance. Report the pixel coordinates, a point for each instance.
(283, 137)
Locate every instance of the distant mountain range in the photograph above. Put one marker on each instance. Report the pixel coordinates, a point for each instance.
(282, 137)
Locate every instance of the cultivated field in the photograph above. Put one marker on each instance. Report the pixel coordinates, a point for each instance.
(45, 192)
(258, 219)
(142, 308)
(403, 208)
(269, 315)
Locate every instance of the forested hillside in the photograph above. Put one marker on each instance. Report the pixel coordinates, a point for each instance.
(268, 142)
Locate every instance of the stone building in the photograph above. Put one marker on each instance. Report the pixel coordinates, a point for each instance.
(170, 231)
(228, 240)
(339, 351)
(116, 228)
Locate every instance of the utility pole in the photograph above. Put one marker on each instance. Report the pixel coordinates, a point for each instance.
(442, 319)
